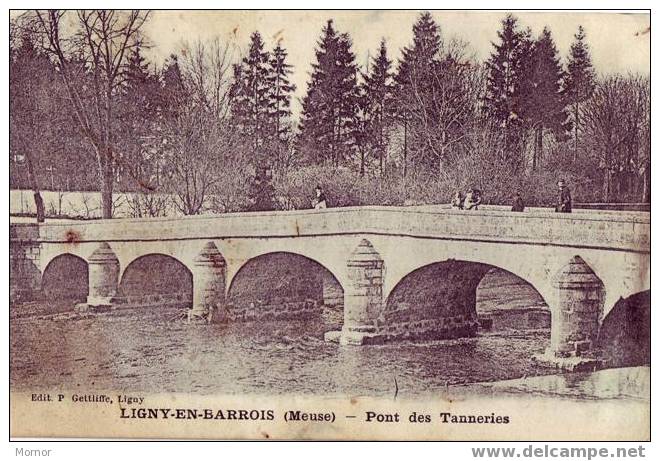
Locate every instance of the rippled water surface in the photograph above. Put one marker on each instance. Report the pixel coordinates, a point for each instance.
(149, 351)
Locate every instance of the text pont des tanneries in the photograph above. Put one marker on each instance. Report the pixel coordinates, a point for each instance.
(132, 407)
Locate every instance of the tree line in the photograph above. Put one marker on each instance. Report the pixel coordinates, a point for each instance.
(212, 129)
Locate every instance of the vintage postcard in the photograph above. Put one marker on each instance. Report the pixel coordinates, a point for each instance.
(330, 225)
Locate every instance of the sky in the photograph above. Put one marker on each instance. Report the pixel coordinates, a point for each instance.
(619, 42)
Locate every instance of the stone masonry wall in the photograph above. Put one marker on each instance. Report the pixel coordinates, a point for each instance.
(24, 254)
(281, 309)
(434, 302)
(276, 286)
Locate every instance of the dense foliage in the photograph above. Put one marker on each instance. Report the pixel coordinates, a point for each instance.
(212, 130)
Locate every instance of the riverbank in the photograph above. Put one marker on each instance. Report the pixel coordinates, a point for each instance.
(628, 383)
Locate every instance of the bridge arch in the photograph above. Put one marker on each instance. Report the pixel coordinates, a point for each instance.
(439, 299)
(625, 333)
(334, 263)
(289, 284)
(156, 279)
(66, 277)
(524, 261)
(50, 252)
(506, 301)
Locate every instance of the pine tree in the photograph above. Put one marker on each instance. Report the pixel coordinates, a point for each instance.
(379, 102)
(29, 143)
(426, 45)
(580, 81)
(413, 82)
(140, 99)
(137, 69)
(542, 103)
(280, 90)
(173, 91)
(138, 161)
(435, 96)
(328, 119)
(505, 79)
(249, 93)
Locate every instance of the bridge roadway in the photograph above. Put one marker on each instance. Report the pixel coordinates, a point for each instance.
(580, 263)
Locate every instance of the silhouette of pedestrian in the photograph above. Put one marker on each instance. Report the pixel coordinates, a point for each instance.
(472, 199)
(518, 203)
(564, 202)
(457, 201)
(319, 201)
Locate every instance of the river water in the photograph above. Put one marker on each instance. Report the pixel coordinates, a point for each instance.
(153, 350)
(149, 351)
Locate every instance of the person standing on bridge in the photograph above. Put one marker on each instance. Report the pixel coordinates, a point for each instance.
(319, 201)
(564, 202)
(518, 203)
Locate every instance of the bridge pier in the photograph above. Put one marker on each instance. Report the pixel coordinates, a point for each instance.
(209, 272)
(575, 317)
(103, 279)
(363, 297)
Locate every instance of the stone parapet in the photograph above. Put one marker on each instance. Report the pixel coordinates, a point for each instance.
(607, 230)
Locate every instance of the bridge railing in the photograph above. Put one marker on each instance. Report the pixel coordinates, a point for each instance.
(622, 231)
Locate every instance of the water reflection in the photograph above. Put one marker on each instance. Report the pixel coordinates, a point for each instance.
(615, 383)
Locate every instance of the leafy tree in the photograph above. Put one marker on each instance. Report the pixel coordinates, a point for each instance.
(616, 123)
(198, 136)
(328, 119)
(44, 144)
(438, 90)
(579, 83)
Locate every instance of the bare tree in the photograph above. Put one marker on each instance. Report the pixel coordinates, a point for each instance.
(148, 204)
(616, 121)
(199, 132)
(90, 51)
(205, 68)
(193, 148)
(443, 101)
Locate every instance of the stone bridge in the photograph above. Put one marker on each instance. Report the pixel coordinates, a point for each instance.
(402, 272)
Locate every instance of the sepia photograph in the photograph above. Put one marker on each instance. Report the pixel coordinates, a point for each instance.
(330, 224)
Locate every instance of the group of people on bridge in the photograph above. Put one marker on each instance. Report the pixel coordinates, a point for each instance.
(473, 198)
